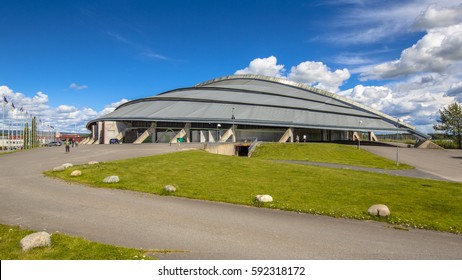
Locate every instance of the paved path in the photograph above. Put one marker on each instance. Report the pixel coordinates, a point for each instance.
(204, 230)
(446, 164)
(412, 173)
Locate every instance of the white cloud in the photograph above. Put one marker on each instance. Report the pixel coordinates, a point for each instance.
(367, 35)
(427, 75)
(155, 55)
(75, 86)
(263, 66)
(367, 22)
(142, 49)
(65, 109)
(37, 103)
(435, 52)
(456, 90)
(5, 91)
(319, 75)
(309, 72)
(435, 16)
(352, 59)
(40, 98)
(111, 107)
(415, 100)
(64, 118)
(374, 96)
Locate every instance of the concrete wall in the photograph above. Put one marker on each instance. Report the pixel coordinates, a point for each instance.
(110, 131)
(222, 149)
(268, 135)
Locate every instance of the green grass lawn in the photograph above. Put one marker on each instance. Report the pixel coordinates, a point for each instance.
(335, 192)
(325, 152)
(63, 248)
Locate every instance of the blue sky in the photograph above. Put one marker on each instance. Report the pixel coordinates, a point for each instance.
(70, 61)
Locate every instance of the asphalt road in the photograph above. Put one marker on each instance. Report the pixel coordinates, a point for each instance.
(445, 164)
(197, 229)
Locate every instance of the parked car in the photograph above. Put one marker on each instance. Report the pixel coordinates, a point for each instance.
(54, 143)
(114, 141)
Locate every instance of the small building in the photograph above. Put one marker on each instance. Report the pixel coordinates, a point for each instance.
(73, 136)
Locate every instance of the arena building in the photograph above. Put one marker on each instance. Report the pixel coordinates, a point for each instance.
(244, 108)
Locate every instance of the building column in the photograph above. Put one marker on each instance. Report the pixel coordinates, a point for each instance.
(289, 134)
(184, 132)
(202, 136)
(211, 138)
(227, 134)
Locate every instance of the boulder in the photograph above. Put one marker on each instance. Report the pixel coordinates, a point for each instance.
(111, 179)
(93, 162)
(67, 165)
(169, 188)
(59, 168)
(34, 240)
(76, 173)
(379, 210)
(264, 198)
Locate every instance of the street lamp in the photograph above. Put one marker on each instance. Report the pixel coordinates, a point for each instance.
(397, 146)
(233, 118)
(359, 134)
(218, 138)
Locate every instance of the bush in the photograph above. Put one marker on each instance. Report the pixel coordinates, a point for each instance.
(446, 144)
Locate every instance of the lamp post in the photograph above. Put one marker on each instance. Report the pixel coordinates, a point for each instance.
(218, 138)
(359, 134)
(397, 146)
(233, 118)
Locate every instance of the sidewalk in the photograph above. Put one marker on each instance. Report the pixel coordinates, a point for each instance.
(412, 173)
(446, 164)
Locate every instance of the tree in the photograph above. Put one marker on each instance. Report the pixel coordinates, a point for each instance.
(451, 121)
(34, 137)
(26, 136)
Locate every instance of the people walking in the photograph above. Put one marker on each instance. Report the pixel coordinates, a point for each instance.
(68, 145)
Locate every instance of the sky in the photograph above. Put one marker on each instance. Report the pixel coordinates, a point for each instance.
(68, 62)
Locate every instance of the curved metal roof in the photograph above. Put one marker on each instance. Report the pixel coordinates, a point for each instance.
(257, 100)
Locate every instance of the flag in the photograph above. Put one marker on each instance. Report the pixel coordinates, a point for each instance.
(5, 100)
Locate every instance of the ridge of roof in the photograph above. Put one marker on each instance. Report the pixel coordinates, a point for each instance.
(287, 82)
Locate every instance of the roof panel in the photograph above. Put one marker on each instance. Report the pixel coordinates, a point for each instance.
(256, 100)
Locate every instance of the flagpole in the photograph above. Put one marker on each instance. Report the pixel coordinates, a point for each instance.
(41, 133)
(21, 131)
(20, 127)
(9, 127)
(15, 132)
(3, 123)
(29, 134)
(34, 131)
(26, 132)
(23, 124)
